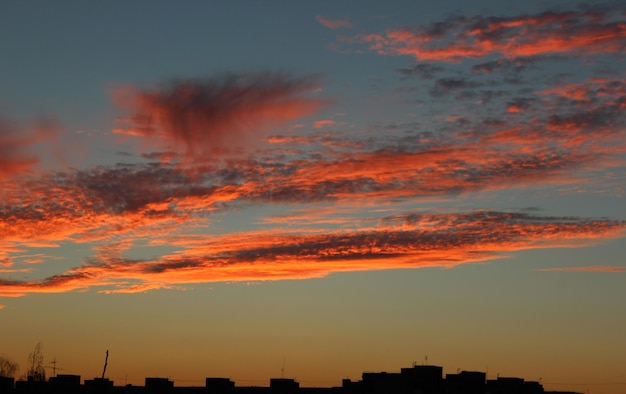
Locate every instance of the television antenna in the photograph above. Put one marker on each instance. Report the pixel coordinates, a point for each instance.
(54, 367)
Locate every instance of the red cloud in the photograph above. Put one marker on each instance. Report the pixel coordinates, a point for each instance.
(16, 143)
(333, 24)
(559, 134)
(408, 241)
(92, 205)
(219, 115)
(513, 108)
(475, 37)
(160, 204)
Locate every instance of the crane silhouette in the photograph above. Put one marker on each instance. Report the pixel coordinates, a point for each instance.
(106, 359)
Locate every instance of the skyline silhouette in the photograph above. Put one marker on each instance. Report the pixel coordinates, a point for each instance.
(425, 379)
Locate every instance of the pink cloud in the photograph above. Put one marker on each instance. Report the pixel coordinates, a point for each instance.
(17, 142)
(455, 39)
(333, 24)
(323, 123)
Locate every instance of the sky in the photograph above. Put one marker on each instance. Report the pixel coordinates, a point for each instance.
(315, 189)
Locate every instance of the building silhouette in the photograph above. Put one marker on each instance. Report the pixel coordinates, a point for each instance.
(219, 386)
(6, 384)
(419, 379)
(466, 382)
(98, 386)
(425, 379)
(65, 384)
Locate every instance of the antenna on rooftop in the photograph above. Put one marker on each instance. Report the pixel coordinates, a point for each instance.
(106, 359)
(54, 367)
(282, 370)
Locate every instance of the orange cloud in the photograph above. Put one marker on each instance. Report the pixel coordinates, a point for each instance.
(91, 205)
(407, 241)
(556, 138)
(609, 90)
(170, 204)
(323, 123)
(88, 205)
(333, 24)
(458, 38)
(513, 108)
(219, 115)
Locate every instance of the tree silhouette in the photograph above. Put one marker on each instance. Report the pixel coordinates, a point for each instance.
(7, 367)
(36, 371)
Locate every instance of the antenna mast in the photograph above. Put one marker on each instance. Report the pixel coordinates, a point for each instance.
(106, 359)
(54, 367)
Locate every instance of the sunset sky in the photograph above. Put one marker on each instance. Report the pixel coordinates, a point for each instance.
(235, 188)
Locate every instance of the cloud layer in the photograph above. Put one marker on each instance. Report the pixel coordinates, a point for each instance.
(351, 197)
(408, 241)
(586, 31)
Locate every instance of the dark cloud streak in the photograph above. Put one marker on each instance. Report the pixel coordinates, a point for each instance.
(219, 115)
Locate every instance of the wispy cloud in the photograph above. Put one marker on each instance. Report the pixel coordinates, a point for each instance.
(218, 115)
(573, 127)
(422, 70)
(333, 24)
(516, 65)
(491, 132)
(17, 155)
(551, 138)
(406, 241)
(585, 31)
(318, 124)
